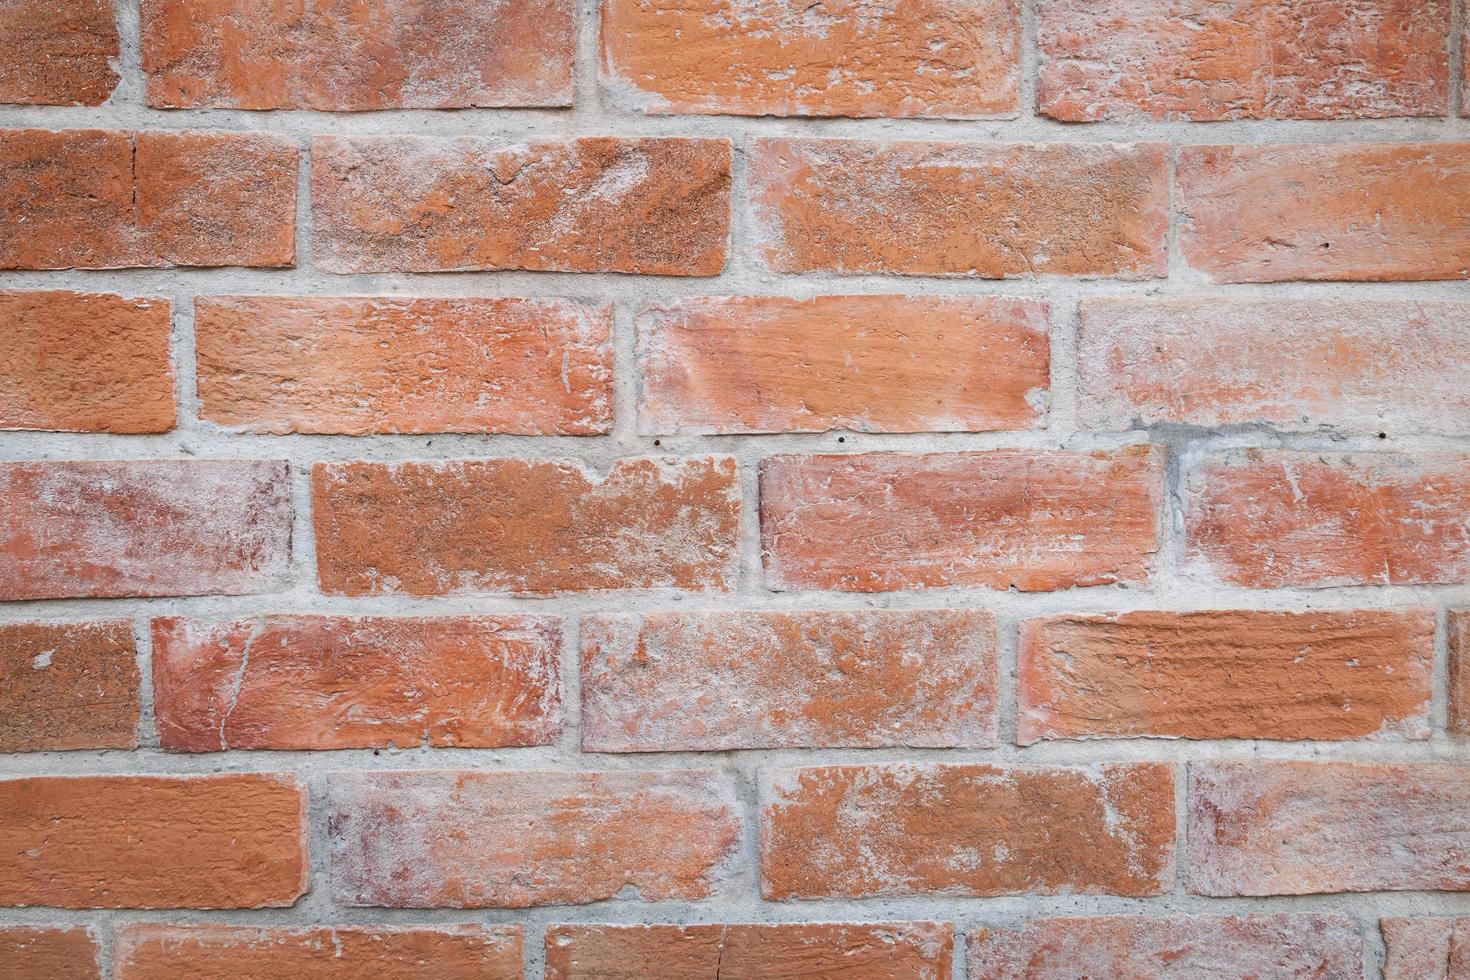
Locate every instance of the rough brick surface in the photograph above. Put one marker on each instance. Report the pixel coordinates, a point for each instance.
(68, 686)
(598, 204)
(1243, 59)
(143, 528)
(1299, 828)
(1281, 675)
(1276, 519)
(37, 953)
(533, 526)
(1459, 676)
(391, 54)
(1029, 520)
(736, 951)
(236, 841)
(362, 366)
(514, 839)
(1426, 949)
(329, 682)
(1376, 211)
(157, 951)
(738, 364)
(959, 209)
(57, 53)
(931, 829)
(668, 681)
(848, 58)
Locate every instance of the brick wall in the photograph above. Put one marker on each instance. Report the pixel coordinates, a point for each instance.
(952, 488)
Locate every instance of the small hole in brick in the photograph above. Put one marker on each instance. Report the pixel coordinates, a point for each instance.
(1383, 435)
(657, 442)
(842, 438)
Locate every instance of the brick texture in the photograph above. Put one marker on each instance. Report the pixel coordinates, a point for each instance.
(1459, 676)
(57, 53)
(68, 686)
(35, 953)
(1426, 949)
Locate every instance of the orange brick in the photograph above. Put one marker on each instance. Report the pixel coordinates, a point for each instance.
(1426, 949)
(85, 362)
(1302, 828)
(150, 842)
(526, 525)
(988, 210)
(68, 686)
(333, 682)
(516, 839)
(1243, 59)
(1246, 674)
(1024, 519)
(733, 364)
(973, 830)
(143, 528)
(391, 54)
(1276, 519)
(40, 953)
(845, 58)
(660, 682)
(1459, 707)
(359, 366)
(887, 951)
(1361, 211)
(597, 204)
(157, 951)
(57, 53)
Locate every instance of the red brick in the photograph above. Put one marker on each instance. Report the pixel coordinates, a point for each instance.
(967, 830)
(157, 951)
(596, 204)
(1246, 674)
(336, 682)
(886, 951)
(1277, 519)
(1459, 701)
(846, 58)
(526, 525)
(234, 841)
(40, 953)
(99, 199)
(85, 362)
(1139, 947)
(359, 366)
(68, 686)
(1301, 828)
(1426, 949)
(733, 364)
(1364, 211)
(143, 528)
(516, 839)
(391, 54)
(1243, 59)
(1023, 519)
(659, 682)
(988, 210)
(58, 53)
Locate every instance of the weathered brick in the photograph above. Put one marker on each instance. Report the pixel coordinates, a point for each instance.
(1459, 701)
(1276, 519)
(1300, 828)
(68, 686)
(58, 53)
(143, 528)
(103, 199)
(1243, 59)
(357, 366)
(41, 953)
(1024, 519)
(160, 951)
(974, 830)
(1245, 674)
(596, 204)
(526, 525)
(734, 364)
(887, 951)
(702, 680)
(846, 58)
(85, 362)
(1426, 949)
(988, 210)
(515, 839)
(1346, 211)
(1142, 947)
(233, 841)
(390, 54)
